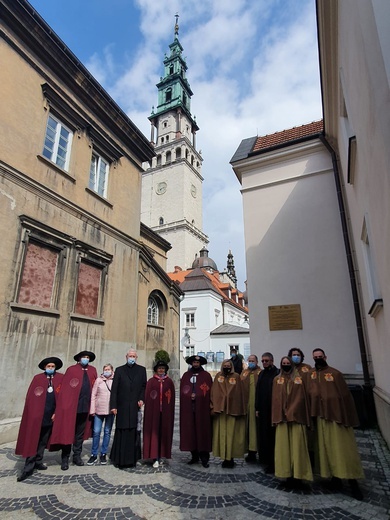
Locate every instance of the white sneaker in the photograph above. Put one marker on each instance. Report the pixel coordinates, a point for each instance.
(155, 464)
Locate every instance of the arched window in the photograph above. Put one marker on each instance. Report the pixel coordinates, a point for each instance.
(168, 157)
(171, 69)
(168, 95)
(158, 160)
(161, 221)
(178, 153)
(153, 311)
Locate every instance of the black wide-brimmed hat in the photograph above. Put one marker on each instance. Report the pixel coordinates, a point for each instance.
(91, 355)
(161, 363)
(201, 359)
(57, 361)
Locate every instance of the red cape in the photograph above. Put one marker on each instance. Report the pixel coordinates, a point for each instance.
(158, 396)
(34, 408)
(195, 416)
(66, 408)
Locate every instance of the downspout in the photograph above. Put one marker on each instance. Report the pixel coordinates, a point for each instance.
(348, 250)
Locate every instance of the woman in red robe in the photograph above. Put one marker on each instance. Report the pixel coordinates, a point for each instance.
(159, 415)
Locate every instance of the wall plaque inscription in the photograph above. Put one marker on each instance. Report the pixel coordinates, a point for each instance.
(285, 317)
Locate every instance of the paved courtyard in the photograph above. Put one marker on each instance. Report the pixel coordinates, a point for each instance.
(178, 491)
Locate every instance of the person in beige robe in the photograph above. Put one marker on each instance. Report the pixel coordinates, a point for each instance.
(228, 408)
(249, 378)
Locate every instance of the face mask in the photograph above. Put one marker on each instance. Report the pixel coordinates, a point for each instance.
(84, 361)
(286, 368)
(251, 365)
(320, 363)
(226, 371)
(50, 371)
(233, 355)
(296, 359)
(130, 361)
(107, 373)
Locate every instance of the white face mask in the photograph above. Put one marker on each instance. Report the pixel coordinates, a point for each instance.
(131, 360)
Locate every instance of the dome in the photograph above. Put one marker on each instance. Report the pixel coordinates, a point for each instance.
(203, 260)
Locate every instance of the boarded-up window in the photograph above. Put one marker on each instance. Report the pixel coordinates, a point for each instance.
(88, 290)
(38, 277)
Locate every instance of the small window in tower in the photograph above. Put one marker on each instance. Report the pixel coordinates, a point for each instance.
(168, 157)
(158, 160)
(168, 95)
(178, 153)
(171, 69)
(167, 139)
(162, 140)
(161, 221)
(184, 98)
(165, 124)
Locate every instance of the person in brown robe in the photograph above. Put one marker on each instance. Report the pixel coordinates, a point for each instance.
(228, 405)
(290, 416)
(195, 413)
(297, 357)
(333, 408)
(159, 415)
(72, 423)
(249, 378)
(38, 416)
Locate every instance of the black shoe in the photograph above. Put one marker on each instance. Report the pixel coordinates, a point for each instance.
(356, 492)
(193, 461)
(103, 459)
(77, 461)
(24, 475)
(205, 464)
(251, 459)
(336, 484)
(269, 469)
(92, 460)
(64, 464)
(228, 463)
(40, 466)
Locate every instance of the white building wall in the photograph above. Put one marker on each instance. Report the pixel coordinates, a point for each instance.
(295, 254)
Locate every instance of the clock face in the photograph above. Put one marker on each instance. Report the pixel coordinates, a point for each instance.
(161, 188)
(193, 190)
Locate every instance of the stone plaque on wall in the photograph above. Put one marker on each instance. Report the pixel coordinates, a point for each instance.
(285, 317)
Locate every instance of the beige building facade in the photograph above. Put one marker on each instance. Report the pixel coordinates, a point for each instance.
(74, 253)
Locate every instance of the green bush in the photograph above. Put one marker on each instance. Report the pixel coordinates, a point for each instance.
(162, 355)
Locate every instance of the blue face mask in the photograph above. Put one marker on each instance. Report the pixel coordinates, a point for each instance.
(50, 371)
(233, 354)
(296, 359)
(107, 373)
(251, 365)
(130, 361)
(84, 361)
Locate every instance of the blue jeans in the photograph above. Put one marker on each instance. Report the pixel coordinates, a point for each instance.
(97, 428)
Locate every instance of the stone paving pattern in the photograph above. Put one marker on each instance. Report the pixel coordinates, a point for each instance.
(179, 491)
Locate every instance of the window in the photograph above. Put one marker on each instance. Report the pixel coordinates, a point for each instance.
(38, 277)
(171, 69)
(91, 281)
(161, 221)
(42, 255)
(58, 141)
(168, 157)
(98, 175)
(178, 153)
(190, 319)
(152, 311)
(168, 95)
(372, 280)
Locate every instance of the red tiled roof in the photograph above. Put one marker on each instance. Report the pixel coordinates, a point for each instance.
(285, 136)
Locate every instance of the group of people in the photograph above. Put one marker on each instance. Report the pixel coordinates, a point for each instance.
(294, 419)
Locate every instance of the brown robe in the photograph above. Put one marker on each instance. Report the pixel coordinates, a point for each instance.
(330, 397)
(246, 379)
(289, 399)
(228, 395)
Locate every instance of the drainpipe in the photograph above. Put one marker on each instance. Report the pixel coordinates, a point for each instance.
(352, 277)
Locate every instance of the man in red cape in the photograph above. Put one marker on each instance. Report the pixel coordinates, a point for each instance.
(38, 414)
(195, 414)
(72, 424)
(159, 415)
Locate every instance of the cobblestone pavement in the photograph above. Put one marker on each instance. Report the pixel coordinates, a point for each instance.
(178, 491)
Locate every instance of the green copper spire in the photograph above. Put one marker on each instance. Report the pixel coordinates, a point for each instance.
(174, 91)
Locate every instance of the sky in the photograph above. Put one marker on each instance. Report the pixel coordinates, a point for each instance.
(252, 66)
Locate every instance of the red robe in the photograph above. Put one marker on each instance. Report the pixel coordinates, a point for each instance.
(66, 407)
(195, 416)
(159, 399)
(34, 408)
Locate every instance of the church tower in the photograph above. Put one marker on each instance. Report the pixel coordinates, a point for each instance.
(172, 186)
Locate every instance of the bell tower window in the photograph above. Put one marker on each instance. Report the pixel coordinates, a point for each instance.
(168, 95)
(171, 69)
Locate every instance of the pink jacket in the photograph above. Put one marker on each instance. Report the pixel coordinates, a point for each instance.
(100, 398)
